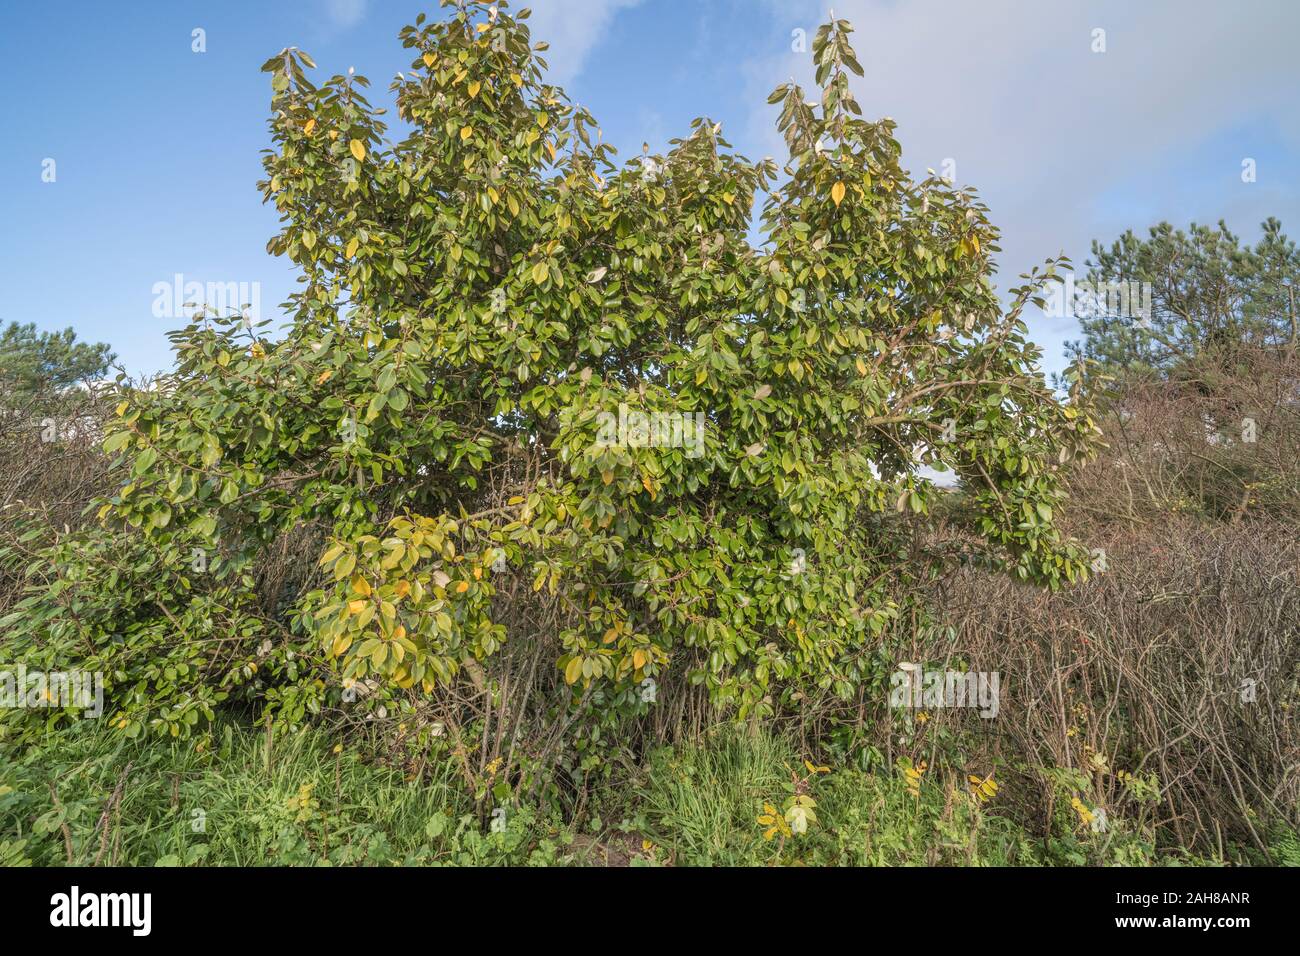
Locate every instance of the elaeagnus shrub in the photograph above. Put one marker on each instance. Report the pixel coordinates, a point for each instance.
(547, 441)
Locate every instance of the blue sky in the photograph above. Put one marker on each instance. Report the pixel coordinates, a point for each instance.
(156, 147)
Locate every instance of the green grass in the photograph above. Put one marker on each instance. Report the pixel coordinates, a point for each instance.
(702, 802)
(228, 801)
(301, 804)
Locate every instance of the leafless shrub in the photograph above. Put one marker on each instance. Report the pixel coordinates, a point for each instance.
(1221, 443)
(51, 467)
(1181, 659)
(1181, 656)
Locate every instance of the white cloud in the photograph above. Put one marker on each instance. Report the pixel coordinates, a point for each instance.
(345, 13)
(572, 28)
(1047, 130)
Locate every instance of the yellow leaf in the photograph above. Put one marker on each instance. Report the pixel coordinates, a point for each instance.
(466, 132)
(402, 588)
(861, 367)
(573, 671)
(639, 658)
(474, 88)
(358, 149)
(356, 607)
(1085, 814)
(516, 79)
(606, 476)
(360, 585)
(837, 193)
(309, 127)
(351, 250)
(539, 273)
(324, 376)
(429, 59)
(462, 587)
